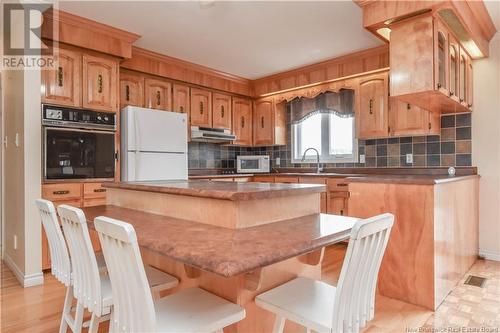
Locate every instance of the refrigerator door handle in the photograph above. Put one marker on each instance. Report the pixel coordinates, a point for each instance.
(137, 132)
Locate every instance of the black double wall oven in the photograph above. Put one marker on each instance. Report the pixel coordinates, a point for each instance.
(78, 144)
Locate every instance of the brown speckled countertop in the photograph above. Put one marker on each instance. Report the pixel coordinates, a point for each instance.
(229, 252)
(220, 190)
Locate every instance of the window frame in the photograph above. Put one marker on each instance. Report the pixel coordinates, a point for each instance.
(325, 157)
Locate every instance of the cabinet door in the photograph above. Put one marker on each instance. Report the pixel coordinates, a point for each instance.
(158, 94)
(454, 59)
(441, 57)
(407, 119)
(62, 85)
(181, 98)
(263, 122)
(221, 111)
(201, 107)
(338, 203)
(372, 110)
(470, 96)
(100, 83)
(242, 121)
(131, 89)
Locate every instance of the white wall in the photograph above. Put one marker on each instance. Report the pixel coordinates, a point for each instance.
(486, 147)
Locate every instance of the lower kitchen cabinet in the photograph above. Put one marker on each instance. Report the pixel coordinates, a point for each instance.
(337, 196)
(263, 179)
(76, 195)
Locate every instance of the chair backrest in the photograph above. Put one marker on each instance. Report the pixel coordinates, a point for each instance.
(60, 262)
(132, 300)
(355, 296)
(86, 278)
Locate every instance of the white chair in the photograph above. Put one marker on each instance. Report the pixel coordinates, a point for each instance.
(91, 289)
(323, 308)
(189, 310)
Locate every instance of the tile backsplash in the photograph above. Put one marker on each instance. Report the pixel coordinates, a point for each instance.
(451, 148)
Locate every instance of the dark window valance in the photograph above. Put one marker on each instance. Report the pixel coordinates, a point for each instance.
(340, 103)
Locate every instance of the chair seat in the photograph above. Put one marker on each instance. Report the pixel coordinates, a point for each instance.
(159, 280)
(195, 310)
(302, 300)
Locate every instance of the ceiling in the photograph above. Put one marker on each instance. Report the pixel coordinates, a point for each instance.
(245, 38)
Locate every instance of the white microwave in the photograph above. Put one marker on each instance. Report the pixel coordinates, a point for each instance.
(253, 164)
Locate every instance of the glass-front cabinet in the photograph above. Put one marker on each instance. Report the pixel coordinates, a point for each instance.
(454, 68)
(441, 56)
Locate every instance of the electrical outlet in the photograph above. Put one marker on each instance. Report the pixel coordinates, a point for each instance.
(409, 158)
(15, 242)
(278, 161)
(362, 158)
(17, 140)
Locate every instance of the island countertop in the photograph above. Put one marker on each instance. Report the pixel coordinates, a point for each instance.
(229, 252)
(219, 190)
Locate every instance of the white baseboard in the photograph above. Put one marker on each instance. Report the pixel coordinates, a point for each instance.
(25, 280)
(489, 255)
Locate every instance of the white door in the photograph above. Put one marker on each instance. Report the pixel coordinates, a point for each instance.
(155, 166)
(152, 130)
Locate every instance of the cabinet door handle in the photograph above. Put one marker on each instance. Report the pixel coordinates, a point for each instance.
(461, 99)
(469, 105)
(127, 92)
(60, 192)
(408, 106)
(439, 85)
(452, 93)
(181, 109)
(158, 97)
(342, 212)
(201, 107)
(430, 125)
(371, 106)
(262, 121)
(99, 83)
(222, 111)
(99, 190)
(60, 76)
(242, 122)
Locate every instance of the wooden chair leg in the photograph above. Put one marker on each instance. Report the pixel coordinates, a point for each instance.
(94, 324)
(279, 324)
(66, 309)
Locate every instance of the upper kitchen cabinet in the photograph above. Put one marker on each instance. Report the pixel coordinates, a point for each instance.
(242, 121)
(269, 123)
(131, 89)
(100, 83)
(181, 98)
(429, 66)
(158, 94)
(406, 119)
(221, 111)
(62, 85)
(372, 107)
(201, 107)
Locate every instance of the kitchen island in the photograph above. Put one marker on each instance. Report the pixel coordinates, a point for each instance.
(273, 233)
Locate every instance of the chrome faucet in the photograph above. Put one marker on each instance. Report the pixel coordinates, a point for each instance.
(318, 168)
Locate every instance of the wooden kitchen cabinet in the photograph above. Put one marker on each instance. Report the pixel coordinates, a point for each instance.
(427, 67)
(406, 119)
(62, 85)
(201, 107)
(221, 111)
(131, 89)
(263, 179)
(337, 196)
(158, 94)
(242, 121)
(372, 101)
(181, 102)
(100, 83)
(269, 126)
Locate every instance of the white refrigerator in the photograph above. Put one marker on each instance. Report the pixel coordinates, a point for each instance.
(153, 144)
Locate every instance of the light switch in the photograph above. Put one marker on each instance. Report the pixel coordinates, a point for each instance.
(278, 161)
(409, 158)
(17, 140)
(362, 158)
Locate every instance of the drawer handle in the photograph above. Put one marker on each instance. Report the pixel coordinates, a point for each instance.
(60, 192)
(181, 109)
(99, 190)
(127, 92)
(222, 111)
(341, 184)
(158, 97)
(371, 106)
(201, 107)
(99, 83)
(60, 76)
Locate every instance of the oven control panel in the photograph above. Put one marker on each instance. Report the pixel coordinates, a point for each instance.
(67, 117)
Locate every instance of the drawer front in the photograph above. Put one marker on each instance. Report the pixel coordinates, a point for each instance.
(58, 192)
(312, 180)
(93, 190)
(286, 179)
(94, 202)
(263, 179)
(337, 184)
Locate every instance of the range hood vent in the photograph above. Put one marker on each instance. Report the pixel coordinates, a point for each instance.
(215, 135)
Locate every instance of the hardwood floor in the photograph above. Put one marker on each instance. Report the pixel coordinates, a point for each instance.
(37, 309)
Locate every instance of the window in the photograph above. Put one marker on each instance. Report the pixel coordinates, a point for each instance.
(333, 136)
